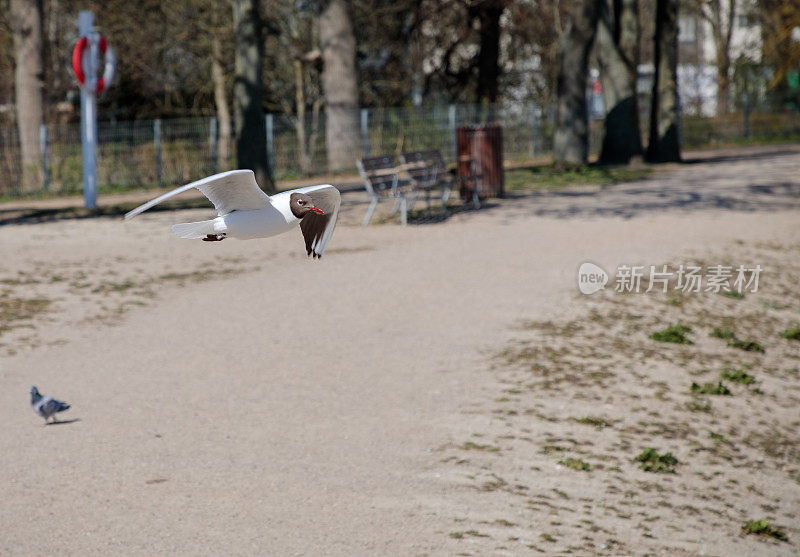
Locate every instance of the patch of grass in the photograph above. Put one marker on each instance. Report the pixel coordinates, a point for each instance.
(591, 420)
(792, 333)
(746, 345)
(718, 437)
(548, 177)
(673, 333)
(470, 446)
(735, 294)
(107, 287)
(710, 389)
(457, 535)
(738, 376)
(15, 310)
(703, 405)
(547, 537)
(651, 461)
(576, 464)
(764, 529)
(722, 332)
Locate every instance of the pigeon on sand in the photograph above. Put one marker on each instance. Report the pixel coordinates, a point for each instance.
(246, 212)
(46, 406)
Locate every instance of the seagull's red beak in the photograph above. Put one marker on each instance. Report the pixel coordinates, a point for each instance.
(316, 210)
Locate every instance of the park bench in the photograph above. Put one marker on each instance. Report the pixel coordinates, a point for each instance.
(428, 171)
(382, 181)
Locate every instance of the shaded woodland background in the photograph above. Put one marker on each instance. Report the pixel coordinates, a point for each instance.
(324, 60)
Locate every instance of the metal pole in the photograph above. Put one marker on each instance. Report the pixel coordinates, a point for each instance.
(212, 140)
(157, 144)
(452, 122)
(43, 149)
(270, 125)
(746, 109)
(89, 109)
(534, 129)
(365, 131)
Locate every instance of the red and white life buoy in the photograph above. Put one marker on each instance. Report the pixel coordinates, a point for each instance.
(109, 64)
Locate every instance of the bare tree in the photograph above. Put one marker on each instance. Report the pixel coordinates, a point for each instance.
(26, 25)
(296, 52)
(339, 84)
(220, 99)
(572, 127)
(778, 20)
(251, 142)
(721, 15)
(618, 57)
(664, 143)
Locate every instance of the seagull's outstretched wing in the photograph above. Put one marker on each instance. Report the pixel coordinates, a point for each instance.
(235, 190)
(318, 229)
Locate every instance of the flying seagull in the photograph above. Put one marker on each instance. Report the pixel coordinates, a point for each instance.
(46, 406)
(246, 212)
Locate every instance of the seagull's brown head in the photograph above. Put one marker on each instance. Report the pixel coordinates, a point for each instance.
(301, 204)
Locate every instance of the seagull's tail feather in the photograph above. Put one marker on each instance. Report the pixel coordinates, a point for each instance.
(194, 230)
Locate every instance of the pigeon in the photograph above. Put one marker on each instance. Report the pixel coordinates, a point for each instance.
(246, 212)
(46, 406)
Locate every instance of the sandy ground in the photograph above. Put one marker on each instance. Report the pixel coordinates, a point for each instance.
(418, 391)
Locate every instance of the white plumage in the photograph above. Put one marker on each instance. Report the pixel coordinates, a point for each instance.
(246, 212)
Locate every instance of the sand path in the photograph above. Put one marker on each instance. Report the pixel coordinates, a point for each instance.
(291, 407)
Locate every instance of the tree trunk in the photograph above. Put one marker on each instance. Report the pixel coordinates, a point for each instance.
(723, 83)
(571, 145)
(303, 151)
(26, 25)
(664, 144)
(251, 138)
(339, 85)
(617, 54)
(722, 19)
(220, 99)
(488, 67)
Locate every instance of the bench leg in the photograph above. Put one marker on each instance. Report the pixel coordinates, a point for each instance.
(370, 210)
(414, 196)
(404, 211)
(476, 199)
(398, 200)
(445, 198)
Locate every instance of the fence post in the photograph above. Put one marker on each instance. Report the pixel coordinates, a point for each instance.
(43, 149)
(157, 144)
(269, 121)
(452, 121)
(534, 129)
(365, 131)
(212, 140)
(746, 110)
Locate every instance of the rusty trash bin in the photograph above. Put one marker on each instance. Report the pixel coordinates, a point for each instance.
(480, 161)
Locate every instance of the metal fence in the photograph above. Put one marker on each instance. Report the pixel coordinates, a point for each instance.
(146, 153)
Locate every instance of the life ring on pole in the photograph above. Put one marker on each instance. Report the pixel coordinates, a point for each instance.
(109, 62)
